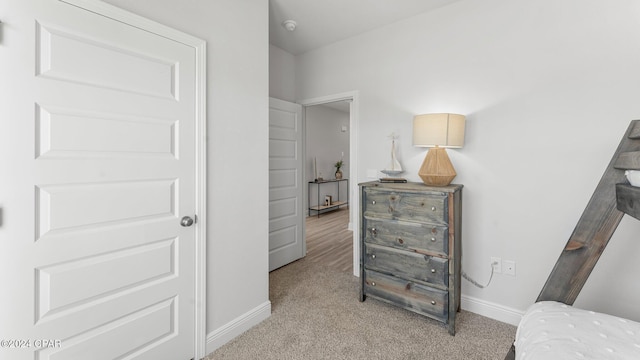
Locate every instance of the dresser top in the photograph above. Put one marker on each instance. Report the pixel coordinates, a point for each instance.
(413, 186)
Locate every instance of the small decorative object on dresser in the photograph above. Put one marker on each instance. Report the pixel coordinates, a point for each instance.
(394, 167)
(410, 243)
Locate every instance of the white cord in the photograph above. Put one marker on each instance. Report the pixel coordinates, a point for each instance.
(468, 278)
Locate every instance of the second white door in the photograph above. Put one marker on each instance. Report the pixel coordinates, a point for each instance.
(286, 196)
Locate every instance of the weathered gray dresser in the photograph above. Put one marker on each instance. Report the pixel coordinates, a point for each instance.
(410, 237)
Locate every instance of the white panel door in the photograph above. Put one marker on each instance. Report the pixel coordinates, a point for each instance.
(286, 215)
(97, 168)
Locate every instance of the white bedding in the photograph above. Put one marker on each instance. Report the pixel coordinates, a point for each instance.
(551, 330)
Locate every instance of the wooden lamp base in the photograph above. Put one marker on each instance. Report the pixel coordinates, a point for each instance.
(437, 169)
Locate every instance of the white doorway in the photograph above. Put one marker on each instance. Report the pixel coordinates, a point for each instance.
(327, 146)
(352, 100)
(103, 170)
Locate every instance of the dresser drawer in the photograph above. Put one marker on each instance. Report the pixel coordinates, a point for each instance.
(408, 235)
(407, 264)
(417, 297)
(420, 207)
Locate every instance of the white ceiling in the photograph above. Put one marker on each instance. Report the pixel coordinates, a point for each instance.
(322, 22)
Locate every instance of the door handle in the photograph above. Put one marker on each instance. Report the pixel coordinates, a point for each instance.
(187, 221)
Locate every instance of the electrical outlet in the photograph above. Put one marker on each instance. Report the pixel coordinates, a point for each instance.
(509, 267)
(496, 262)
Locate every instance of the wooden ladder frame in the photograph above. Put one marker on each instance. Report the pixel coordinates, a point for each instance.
(612, 198)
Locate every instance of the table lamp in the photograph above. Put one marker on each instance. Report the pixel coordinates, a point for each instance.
(438, 132)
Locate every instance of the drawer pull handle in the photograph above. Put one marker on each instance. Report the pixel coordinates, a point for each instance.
(373, 256)
(374, 231)
(434, 230)
(433, 271)
(400, 241)
(433, 302)
(433, 208)
(373, 283)
(433, 239)
(373, 202)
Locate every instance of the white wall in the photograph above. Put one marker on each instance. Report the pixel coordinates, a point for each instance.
(237, 103)
(282, 80)
(548, 88)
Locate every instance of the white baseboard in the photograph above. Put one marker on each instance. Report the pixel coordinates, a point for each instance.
(237, 326)
(491, 310)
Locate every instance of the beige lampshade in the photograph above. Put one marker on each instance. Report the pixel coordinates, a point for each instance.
(443, 130)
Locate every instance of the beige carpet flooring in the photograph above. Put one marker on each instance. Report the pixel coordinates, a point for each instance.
(316, 315)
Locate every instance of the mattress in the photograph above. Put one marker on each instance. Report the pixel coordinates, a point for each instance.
(551, 330)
